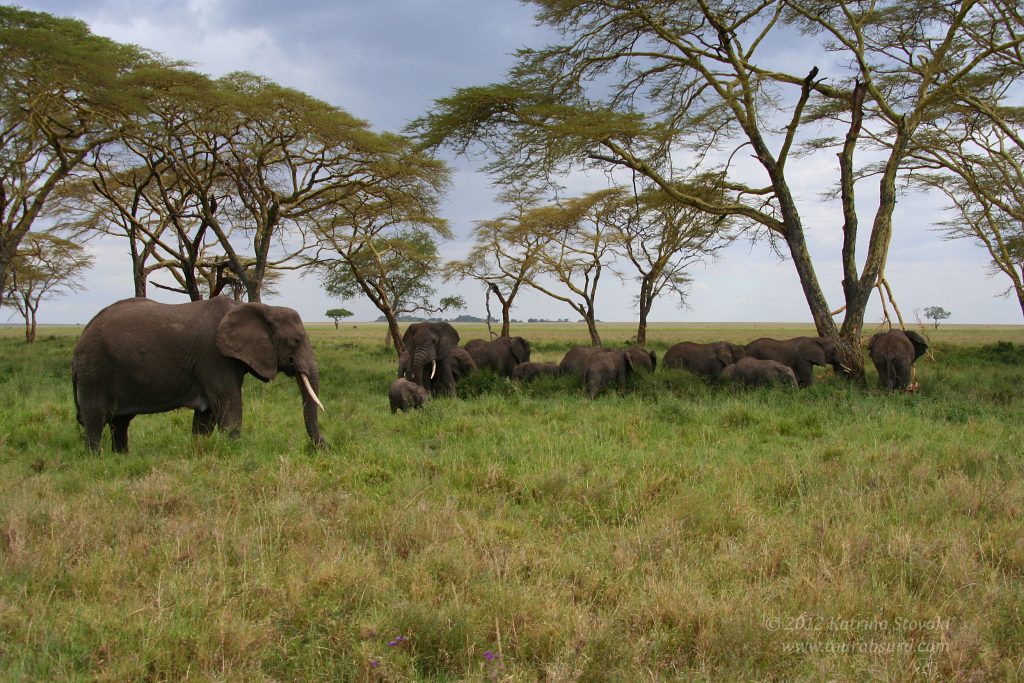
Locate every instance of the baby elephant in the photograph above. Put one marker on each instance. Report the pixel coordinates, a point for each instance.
(405, 395)
(755, 372)
(526, 372)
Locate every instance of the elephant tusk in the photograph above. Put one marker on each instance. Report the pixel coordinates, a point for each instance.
(846, 369)
(433, 368)
(312, 394)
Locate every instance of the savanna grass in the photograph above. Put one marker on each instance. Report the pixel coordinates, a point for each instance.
(678, 531)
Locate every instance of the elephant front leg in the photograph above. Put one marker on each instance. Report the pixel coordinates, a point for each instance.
(230, 420)
(202, 422)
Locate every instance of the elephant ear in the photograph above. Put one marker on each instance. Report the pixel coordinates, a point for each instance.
(520, 349)
(654, 360)
(874, 340)
(628, 360)
(244, 333)
(919, 342)
(724, 356)
(409, 333)
(811, 350)
(447, 339)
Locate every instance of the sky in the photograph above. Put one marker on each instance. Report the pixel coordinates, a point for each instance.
(386, 61)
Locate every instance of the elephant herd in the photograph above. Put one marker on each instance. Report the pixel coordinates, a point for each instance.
(764, 361)
(138, 356)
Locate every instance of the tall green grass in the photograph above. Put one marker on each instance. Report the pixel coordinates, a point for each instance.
(677, 531)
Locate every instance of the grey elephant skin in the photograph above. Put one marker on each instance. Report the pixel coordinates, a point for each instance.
(405, 395)
(500, 355)
(429, 346)
(643, 360)
(527, 372)
(754, 372)
(799, 353)
(893, 354)
(606, 368)
(575, 359)
(706, 360)
(138, 356)
(461, 363)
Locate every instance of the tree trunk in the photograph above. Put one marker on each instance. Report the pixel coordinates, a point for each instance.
(506, 319)
(394, 334)
(646, 301)
(30, 324)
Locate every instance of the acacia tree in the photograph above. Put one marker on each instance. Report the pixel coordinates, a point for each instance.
(63, 93)
(395, 272)
(44, 267)
(380, 241)
(563, 249)
(977, 162)
(662, 239)
(638, 85)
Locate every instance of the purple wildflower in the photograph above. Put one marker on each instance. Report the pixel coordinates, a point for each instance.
(374, 663)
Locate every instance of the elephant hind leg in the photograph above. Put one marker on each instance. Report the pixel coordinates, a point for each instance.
(119, 432)
(93, 420)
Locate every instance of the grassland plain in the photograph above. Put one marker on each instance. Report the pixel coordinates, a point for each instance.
(677, 532)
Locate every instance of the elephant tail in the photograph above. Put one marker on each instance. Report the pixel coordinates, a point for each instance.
(74, 393)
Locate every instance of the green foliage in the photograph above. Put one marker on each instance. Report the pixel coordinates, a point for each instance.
(681, 531)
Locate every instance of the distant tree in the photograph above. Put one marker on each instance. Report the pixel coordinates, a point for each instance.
(337, 314)
(44, 267)
(63, 93)
(380, 242)
(501, 263)
(935, 314)
(565, 248)
(395, 272)
(661, 239)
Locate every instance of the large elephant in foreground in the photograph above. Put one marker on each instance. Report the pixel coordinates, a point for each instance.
(429, 346)
(893, 354)
(138, 356)
(500, 355)
(707, 360)
(799, 353)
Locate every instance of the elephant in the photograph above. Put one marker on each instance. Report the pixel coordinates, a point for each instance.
(575, 359)
(429, 346)
(461, 362)
(893, 354)
(138, 356)
(526, 372)
(405, 395)
(707, 360)
(799, 353)
(757, 372)
(643, 359)
(500, 355)
(604, 368)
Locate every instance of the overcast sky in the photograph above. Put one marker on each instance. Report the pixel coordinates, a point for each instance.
(386, 61)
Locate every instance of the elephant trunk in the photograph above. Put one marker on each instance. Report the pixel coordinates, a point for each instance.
(309, 386)
(420, 358)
